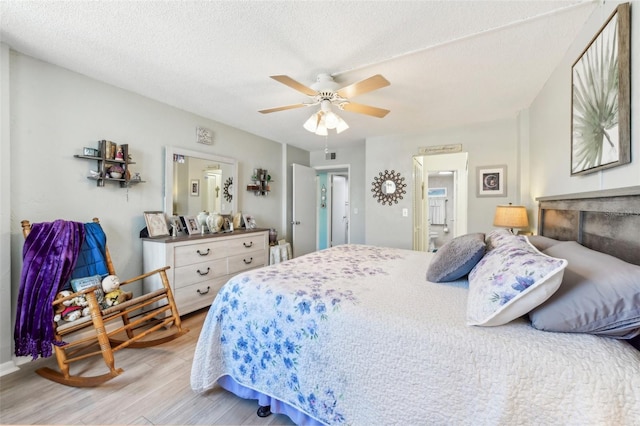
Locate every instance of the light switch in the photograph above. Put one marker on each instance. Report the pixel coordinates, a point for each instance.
(355, 210)
(405, 212)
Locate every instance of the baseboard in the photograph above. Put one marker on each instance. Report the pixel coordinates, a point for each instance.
(7, 368)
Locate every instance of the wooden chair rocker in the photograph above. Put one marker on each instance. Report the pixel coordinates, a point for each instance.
(147, 320)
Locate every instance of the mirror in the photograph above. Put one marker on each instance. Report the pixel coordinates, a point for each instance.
(196, 181)
(388, 187)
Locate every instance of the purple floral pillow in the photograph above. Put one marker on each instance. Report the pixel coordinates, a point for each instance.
(512, 278)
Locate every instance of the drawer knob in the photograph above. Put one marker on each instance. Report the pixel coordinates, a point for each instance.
(248, 246)
(202, 293)
(246, 262)
(204, 254)
(203, 273)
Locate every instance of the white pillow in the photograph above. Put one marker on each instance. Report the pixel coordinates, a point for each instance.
(512, 278)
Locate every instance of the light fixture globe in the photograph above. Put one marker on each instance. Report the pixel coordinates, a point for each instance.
(325, 119)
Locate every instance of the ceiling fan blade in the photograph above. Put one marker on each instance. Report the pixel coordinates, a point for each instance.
(282, 108)
(365, 109)
(364, 86)
(288, 81)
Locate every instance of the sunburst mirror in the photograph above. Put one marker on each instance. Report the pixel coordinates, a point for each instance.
(388, 187)
(227, 190)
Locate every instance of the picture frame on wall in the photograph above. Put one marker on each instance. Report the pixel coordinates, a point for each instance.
(195, 187)
(491, 181)
(601, 98)
(156, 224)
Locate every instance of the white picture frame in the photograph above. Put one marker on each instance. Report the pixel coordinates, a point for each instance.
(194, 189)
(191, 225)
(249, 221)
(491, 181)
(156, 224)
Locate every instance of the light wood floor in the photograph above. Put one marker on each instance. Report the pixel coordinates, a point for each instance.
(153, 390)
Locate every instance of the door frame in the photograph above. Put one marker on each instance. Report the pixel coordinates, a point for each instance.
(330, 176)
(460, 164)
(341, 169)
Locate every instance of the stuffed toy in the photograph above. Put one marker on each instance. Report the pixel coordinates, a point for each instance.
(110, 283)
(72, 309)
(113, 294)
(115, 297)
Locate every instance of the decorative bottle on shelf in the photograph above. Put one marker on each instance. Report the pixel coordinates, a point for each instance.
(273, 236)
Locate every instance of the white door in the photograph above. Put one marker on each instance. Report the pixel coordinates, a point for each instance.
(304, 210)
(339, 210)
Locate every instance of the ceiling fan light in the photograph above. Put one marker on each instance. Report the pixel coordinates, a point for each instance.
(331, 120)
(342, 125)
(321, 131)
(312, 123)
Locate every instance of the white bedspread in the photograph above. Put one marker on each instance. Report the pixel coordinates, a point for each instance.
(356, 335)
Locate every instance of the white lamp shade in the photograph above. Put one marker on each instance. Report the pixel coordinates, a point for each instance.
(342, 125)
(312, 123)
(325, 119)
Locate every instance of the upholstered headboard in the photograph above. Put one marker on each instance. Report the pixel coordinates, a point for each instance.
(607, 221)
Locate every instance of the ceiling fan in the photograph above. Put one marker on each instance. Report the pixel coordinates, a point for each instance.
(325, 92)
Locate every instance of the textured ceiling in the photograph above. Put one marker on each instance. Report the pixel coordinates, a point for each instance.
(449, 62)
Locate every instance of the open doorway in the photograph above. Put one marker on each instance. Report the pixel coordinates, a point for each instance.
(333, 208)
(440, 199)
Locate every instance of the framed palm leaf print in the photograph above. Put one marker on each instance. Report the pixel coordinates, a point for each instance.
(601, 98)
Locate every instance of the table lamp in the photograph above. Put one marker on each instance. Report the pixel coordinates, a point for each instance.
(511, 217)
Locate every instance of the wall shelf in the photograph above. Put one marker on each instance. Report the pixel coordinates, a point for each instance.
(261, 182)
(108, 157)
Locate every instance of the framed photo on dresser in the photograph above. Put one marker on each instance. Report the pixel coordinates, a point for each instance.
(190, 224)
(156, 224)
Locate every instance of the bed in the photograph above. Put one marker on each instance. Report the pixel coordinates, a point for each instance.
(357, 335)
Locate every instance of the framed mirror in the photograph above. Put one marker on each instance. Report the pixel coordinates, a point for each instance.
(388, 187)
(183, 167)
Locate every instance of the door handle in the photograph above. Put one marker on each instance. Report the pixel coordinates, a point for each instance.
(295, 222)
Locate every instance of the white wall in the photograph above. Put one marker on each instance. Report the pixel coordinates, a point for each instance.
(488, 144)
(54, 113)
(550, 121)
(6, 297)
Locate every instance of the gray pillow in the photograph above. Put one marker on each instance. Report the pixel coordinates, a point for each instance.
(542, 243)
(456, 258)
(599, 294)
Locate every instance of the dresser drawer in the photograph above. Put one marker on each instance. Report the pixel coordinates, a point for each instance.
(201, 252)
(246, 244)
(243, 262)
(199, 272)
(197, 296)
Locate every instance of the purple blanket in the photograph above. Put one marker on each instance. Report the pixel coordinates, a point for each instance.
(49, 256)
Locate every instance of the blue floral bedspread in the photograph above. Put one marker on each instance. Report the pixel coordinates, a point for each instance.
(356, 335)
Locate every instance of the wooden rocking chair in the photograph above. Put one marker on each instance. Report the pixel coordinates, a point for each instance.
(133, 324)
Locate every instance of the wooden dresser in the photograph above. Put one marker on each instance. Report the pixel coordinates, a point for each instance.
(201, 264)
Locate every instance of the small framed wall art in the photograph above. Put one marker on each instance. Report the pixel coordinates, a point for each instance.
(491, 181)
(204, 135)
(195, 187)
(156, 224)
